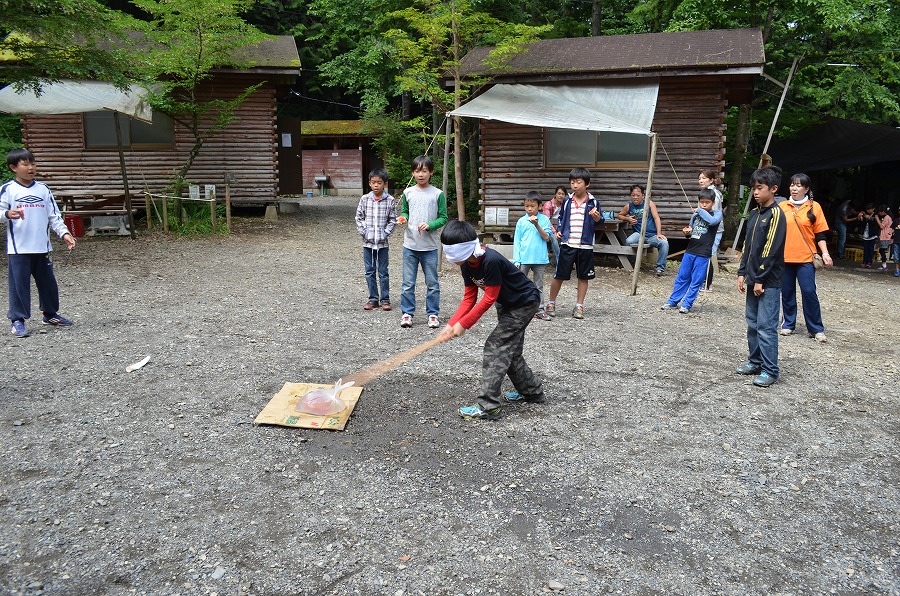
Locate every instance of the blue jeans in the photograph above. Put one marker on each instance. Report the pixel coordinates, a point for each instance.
(805, 275)
(869, 250)
(411, 261)
(22, 268)
(895, 250)
(691, 277)
(762, 328)
(373, 257)
(717, 241)
(662, 247)
(841, 227)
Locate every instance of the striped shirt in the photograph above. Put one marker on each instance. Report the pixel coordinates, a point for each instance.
(576, 225)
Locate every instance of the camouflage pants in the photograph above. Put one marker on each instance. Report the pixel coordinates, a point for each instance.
(503, 356)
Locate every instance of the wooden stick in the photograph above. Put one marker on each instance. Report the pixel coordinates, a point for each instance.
(368, 374)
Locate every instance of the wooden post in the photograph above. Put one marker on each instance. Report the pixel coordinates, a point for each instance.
(640, 248)
(165, 204)
(227, 206)
(147, 206)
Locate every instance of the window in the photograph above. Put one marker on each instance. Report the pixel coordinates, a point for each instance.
(100, 131)
(564, 147)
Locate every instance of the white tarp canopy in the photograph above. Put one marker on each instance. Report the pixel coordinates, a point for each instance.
(72, 97)
(621, 107)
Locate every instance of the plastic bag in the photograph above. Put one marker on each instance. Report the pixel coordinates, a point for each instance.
(323, 402)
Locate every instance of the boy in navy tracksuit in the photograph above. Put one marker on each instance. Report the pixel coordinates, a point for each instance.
(761, 274)
(577, 217)
(31, 212)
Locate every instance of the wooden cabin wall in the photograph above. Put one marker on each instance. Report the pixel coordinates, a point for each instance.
(246, 148)
(342, 166)
(690, 123)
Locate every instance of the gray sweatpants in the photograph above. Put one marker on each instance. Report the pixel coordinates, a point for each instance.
(537, 273)
(503, 357)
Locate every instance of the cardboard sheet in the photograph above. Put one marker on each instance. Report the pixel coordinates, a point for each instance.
(280, 409)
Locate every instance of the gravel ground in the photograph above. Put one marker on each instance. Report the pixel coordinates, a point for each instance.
(652, 468)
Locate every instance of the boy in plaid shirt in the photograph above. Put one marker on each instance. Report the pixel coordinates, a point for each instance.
(376, 217)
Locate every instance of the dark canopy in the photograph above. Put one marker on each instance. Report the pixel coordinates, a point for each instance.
(837, 144)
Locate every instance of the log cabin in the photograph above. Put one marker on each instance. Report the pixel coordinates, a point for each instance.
(697, 75)
(77, 154)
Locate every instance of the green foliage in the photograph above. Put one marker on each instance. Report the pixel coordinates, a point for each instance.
(46, 40)
(397, 142)
(194, 218)
(10, 138)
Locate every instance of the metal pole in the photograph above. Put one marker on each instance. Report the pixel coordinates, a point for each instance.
(640, 248)
(765, 150)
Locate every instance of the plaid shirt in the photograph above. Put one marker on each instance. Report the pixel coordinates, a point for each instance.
(375, 219)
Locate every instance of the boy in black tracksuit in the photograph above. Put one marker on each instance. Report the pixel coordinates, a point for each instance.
(761, 271)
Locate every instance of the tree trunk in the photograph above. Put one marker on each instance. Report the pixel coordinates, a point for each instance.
(405, 105)
(596, 29)
(739, 148)
(474, 155)
(457, 171)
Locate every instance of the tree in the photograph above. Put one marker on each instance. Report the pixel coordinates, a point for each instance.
(185, 40)
(55, 39)
(437, 35)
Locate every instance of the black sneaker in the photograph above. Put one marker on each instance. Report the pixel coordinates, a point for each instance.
(516, 397)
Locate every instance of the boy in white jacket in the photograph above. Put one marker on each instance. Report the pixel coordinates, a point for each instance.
(31, 212)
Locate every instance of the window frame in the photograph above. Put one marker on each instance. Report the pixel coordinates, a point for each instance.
(596, 164)
(127, 133)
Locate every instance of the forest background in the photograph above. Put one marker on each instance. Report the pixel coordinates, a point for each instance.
(387, 61)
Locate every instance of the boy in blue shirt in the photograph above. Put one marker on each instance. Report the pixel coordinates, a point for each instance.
(31, 212)
(702, 231)
(530, 245)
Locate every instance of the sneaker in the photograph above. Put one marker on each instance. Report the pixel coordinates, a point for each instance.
(542, 316)
(386, 305)
(897, 273)
(56, 320)
(406, 321)
(515, 397)
(819, 337)
(668, 306)
(433, 322)
(370, 305)
(785, 331)
(764, 380)
(551, 309)
(476, 412)
(884, 266)
(748, 369)
(684, 310)
(18, 329)
(660, 272)
(578, 311)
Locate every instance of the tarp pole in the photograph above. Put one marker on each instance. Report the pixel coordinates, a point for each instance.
(124, 174)
(765, 150)
(640, 248)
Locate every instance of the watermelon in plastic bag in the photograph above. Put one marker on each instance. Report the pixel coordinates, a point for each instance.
(323, 402)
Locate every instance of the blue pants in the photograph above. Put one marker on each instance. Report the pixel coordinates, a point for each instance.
(372, 258)
(691, 276)
(661, 246)
(21, 269)
(895, 250)
(805, 275)
(762, 328)
(841, 227)
(428, 259)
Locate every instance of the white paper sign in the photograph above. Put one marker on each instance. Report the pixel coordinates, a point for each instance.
(490, 216)
(285, 139)
(502, 216)
(194, 192)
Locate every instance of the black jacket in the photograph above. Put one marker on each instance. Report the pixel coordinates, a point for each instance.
(763, 257)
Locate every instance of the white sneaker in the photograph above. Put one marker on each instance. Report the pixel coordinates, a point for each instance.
(406, 321)
(819, 337)
(785, 331)
(433, 321)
